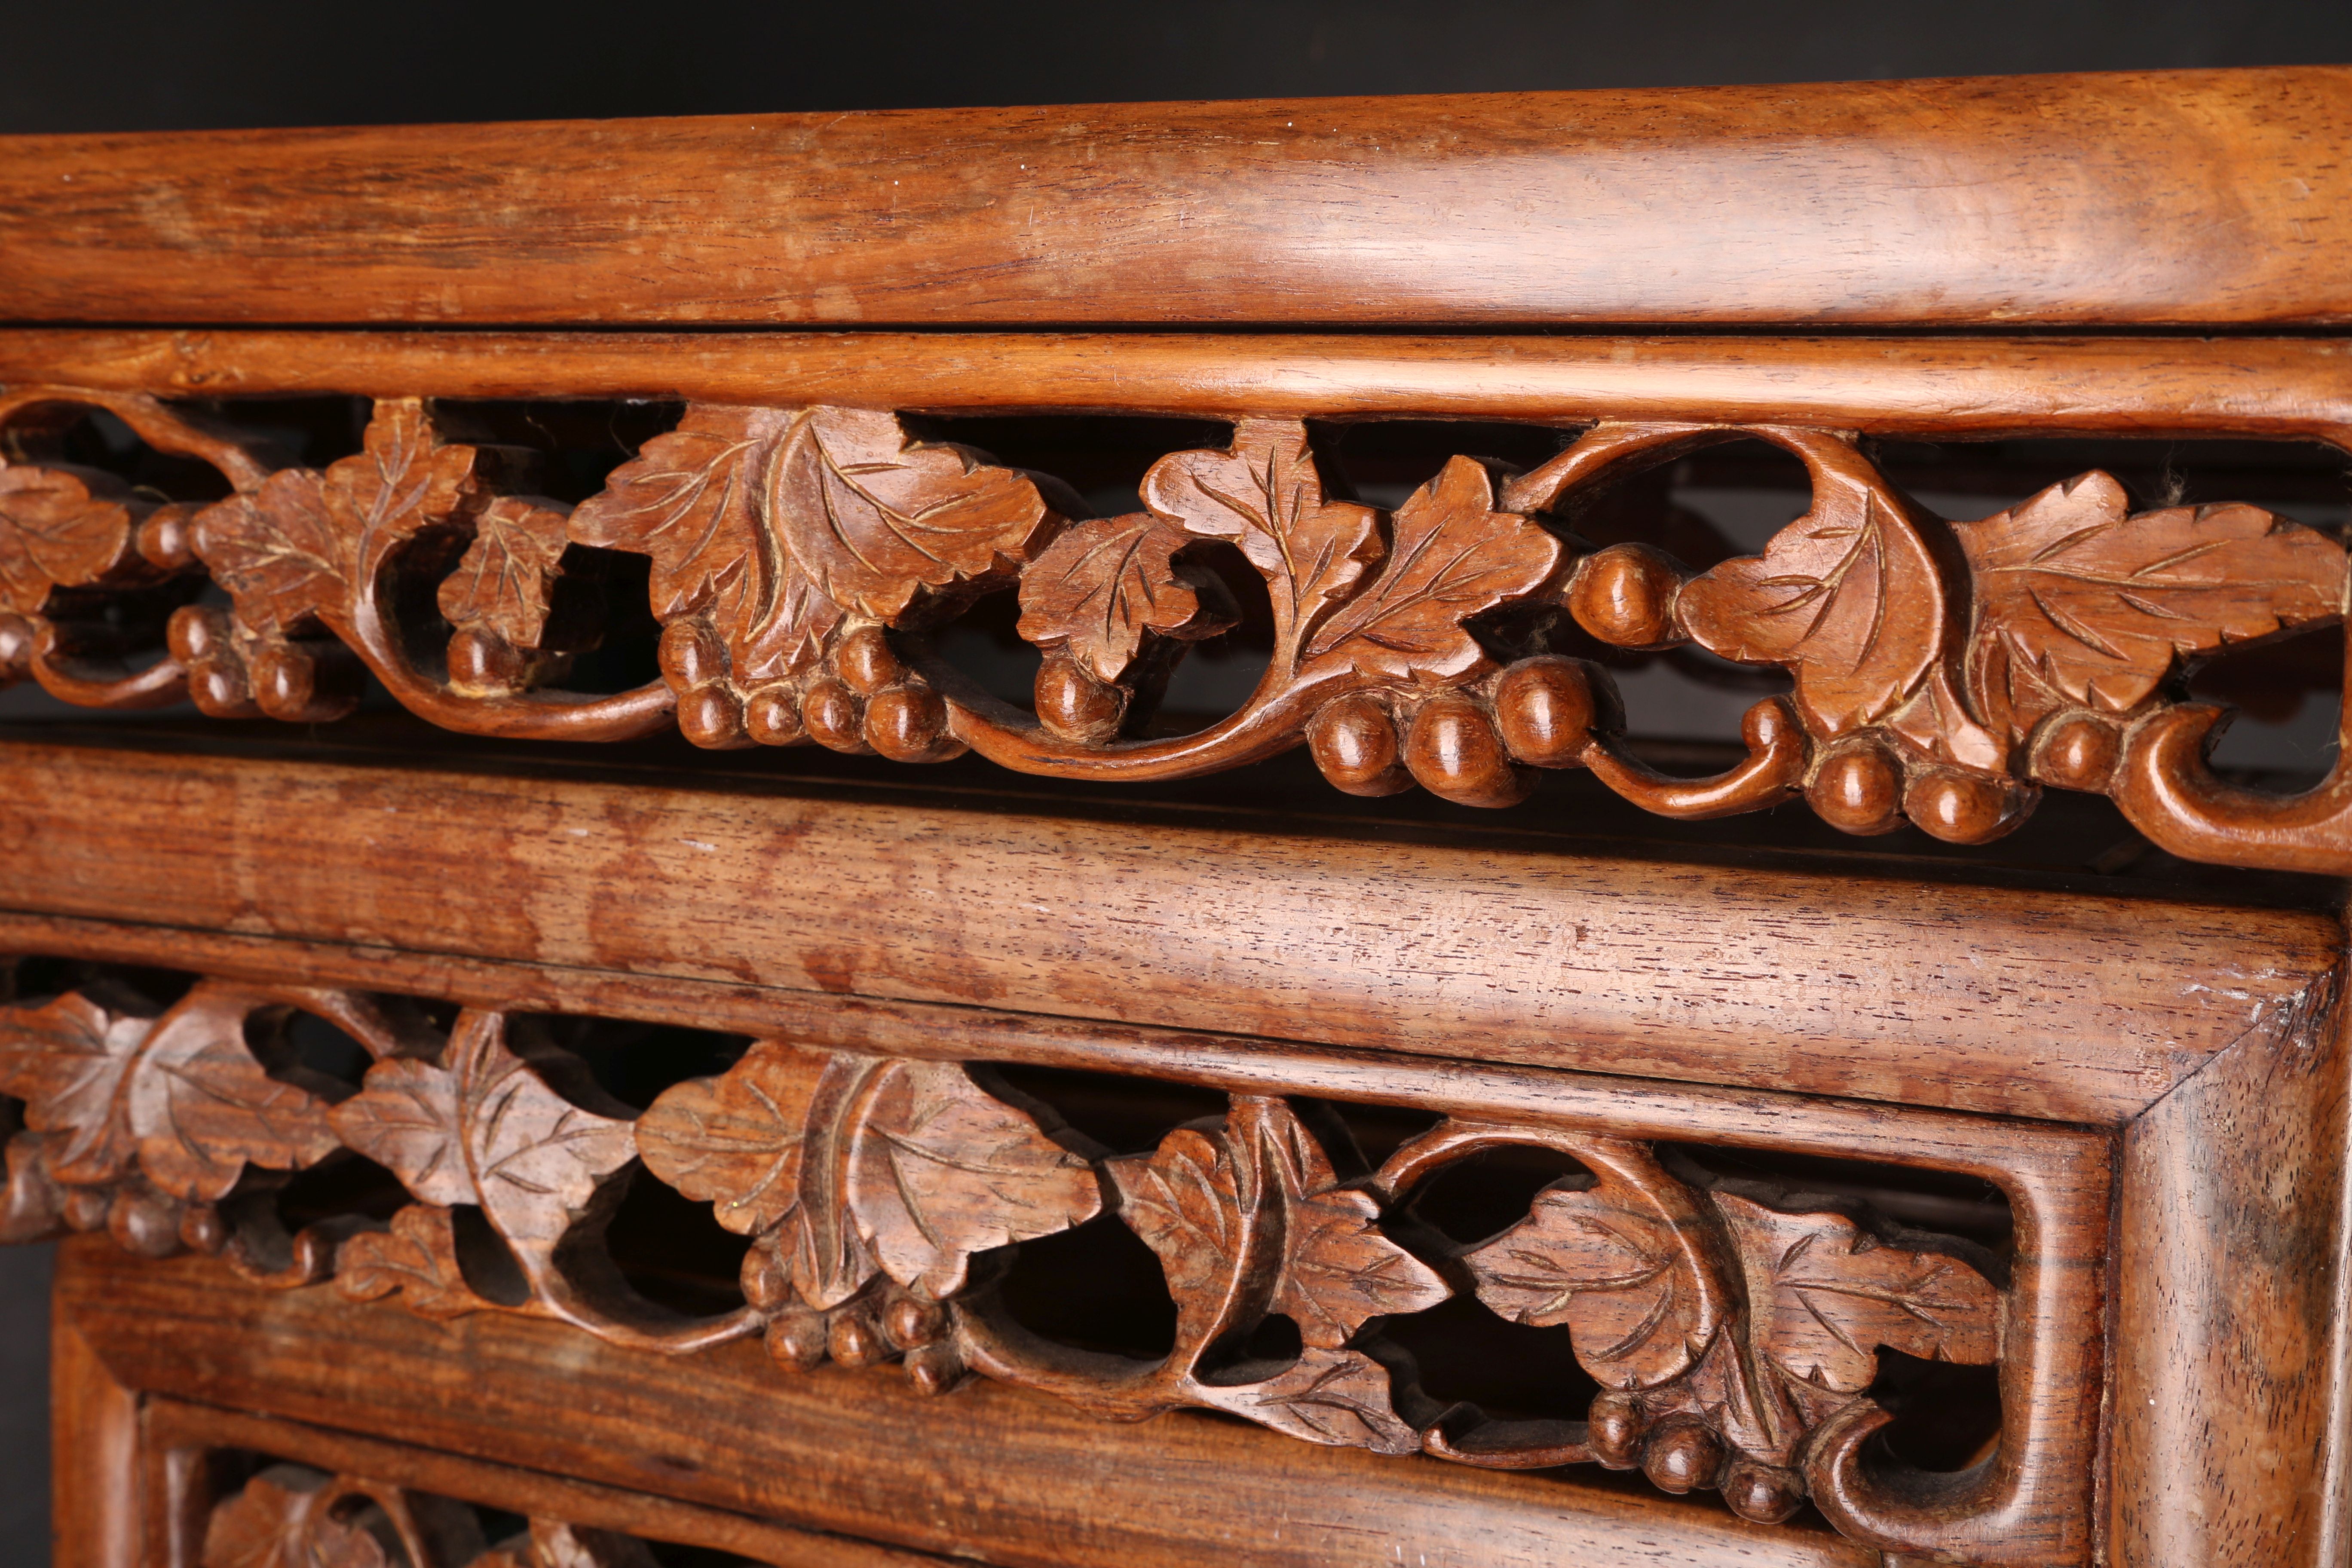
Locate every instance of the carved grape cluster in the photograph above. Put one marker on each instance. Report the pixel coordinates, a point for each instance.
(1474, 745)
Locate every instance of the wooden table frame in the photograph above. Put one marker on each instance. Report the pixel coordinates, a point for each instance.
(2156, 1089)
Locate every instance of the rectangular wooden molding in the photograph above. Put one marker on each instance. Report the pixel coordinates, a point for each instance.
(1453, 948)
(2159, 199)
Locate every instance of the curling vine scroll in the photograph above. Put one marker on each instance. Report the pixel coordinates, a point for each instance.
(802, 559)
(1733, 1328)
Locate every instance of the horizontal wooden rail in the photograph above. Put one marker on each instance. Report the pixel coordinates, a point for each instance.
(1464, 946)
(2242, 387)
(2177, 198)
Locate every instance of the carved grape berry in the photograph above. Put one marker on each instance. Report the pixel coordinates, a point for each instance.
(835, 717)
(219, 688)
(691, 655)
(1076, 706)
(1625, 595)
(1453, 752)
(910, 724)
(854, 1339)
(771, 716)
(796, 1341)
(482, 661)
(766, 1284)
(1683, 1452)
(1765, 1494)
(143, 1221)
(864, 660)
(202, 1229)
(1544, 709)
(1615, 1430)
(934, 1368)
(85, 1208)
(912, 1322)
(195, 633)
(1858, 789)
(1354, 741)
(2077, 750)
(712, 717)
(164, 539)
(304, 685)
(1963, 807)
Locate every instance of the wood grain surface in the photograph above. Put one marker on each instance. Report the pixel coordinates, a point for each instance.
(989, 1473)
(95, 1508)
(172, 1427)
(2169, 198)
(2264, 386)
(2230, 1332)
(2067, 1006)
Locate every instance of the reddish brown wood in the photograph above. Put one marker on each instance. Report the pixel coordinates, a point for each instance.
(789, 547)
(95, 1510)
(2230, 1431)
(2048, 199)
(803, 548)
(2280, 387)
(858, 1453)
(174, 1429)
(1428, 947)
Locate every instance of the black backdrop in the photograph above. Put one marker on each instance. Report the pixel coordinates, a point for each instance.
(93, 66)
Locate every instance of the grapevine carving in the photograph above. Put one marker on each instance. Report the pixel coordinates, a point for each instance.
(1728, 1324)
(801, 560)
(291, 1516)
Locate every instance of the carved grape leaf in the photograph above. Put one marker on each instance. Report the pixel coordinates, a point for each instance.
(180, 1095)
(417, 1257)
(942, 1171)
(1193, 1203)
(692, 500)
(735, 1140)
(1824, 1294)
(1101, 585)
(60, 527)
(67, 1061)
(555, 1544)
(1340, 1397)
(905, 1167)
(871, 517)
(202, 1109)
(2078, 603)
(300, 548)
(1250, 1211)
(1454, 557)
(1848, 597)
(1264, 493)
(1619, 1265)
(485, 1129)
(277, 552)
(774, 522)
(278, 1521)
(506, 580)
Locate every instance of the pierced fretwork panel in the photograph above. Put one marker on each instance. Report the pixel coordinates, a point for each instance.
(802, 561)
(1720, 1318)
(293, 1516)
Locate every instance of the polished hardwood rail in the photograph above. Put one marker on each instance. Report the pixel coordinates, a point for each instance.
(2050, 200)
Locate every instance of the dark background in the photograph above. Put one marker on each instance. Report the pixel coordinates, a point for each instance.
(87, 65)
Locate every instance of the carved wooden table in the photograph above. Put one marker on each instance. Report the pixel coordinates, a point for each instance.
(540, 1080)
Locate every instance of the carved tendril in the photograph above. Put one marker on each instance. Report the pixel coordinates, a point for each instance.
(800, 557)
